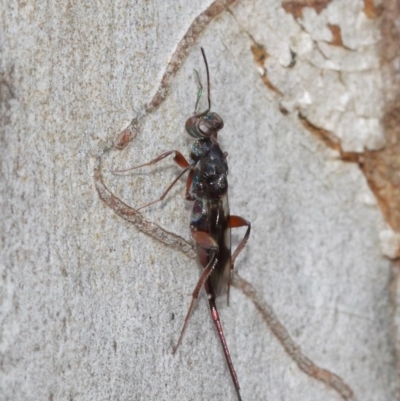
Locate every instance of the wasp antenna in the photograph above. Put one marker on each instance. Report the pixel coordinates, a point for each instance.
(199, 92)
(208, 80)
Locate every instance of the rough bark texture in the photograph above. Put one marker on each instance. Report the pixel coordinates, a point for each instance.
(90, 308)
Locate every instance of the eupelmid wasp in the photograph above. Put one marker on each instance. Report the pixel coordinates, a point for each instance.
(210, 221)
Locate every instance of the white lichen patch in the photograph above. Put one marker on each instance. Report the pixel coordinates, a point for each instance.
(335, 81)
(390, 243)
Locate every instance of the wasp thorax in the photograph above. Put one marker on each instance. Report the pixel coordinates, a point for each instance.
(204, 125)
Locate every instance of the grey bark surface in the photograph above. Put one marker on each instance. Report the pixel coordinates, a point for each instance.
(90, 308)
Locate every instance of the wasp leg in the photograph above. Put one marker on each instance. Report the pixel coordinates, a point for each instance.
(188, 186)
(206, 241)
(166, 191)
(217, 322)
(235, 222)
(179, 159)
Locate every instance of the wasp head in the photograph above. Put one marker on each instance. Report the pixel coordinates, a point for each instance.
(204, 125)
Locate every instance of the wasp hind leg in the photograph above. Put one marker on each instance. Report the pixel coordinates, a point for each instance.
(218, 326)
(206, 241)
(235, 222)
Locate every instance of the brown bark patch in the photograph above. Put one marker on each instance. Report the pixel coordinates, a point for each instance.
(125, 137)
(382, 167)
(260, 55)
(380, 172)
(336, 34)
(371, 10)
(295, 7)
(330, 140)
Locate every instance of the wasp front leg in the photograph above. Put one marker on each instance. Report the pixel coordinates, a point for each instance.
(179, 159)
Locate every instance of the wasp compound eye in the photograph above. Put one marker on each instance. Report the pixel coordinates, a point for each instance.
(191, 127)
(210, 123)
(204, 126)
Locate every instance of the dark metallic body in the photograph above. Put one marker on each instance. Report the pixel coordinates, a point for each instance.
(210, 222)
(210, 214)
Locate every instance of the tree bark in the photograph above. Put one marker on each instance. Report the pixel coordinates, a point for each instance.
(90, 306)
